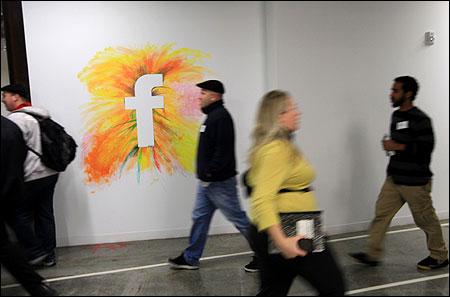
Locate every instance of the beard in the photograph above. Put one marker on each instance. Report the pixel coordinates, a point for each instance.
(398, 102)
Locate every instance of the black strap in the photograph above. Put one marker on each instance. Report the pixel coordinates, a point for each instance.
(36, 153)
(305, 190)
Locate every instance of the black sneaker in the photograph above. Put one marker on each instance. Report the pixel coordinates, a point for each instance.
(431, 263)
(50, 260)
(42, 290)
(364, 259)
(37, 260)
(253, 266)
(180, 263)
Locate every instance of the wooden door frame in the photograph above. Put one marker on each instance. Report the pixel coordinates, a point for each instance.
(15, 42)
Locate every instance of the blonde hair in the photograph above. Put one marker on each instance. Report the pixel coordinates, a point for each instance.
(267, 127)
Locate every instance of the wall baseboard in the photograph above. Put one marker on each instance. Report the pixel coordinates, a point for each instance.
(364, 225)
(223, 229)
(137, 236)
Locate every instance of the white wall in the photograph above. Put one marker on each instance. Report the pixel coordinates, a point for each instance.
(62, 37)
(339, 59)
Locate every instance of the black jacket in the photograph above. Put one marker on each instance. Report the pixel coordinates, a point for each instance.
(13, 153)
(216, 154)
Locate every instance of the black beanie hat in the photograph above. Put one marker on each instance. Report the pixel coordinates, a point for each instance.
(18, 89)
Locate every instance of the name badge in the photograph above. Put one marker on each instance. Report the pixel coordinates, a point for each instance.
(402, 125)
(202, 128)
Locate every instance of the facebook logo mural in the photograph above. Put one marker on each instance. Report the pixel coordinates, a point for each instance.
(144, 103)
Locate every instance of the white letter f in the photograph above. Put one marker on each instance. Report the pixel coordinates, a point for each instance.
(144, 103)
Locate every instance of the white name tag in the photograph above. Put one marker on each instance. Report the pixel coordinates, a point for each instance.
(402, 125)
(202, 128)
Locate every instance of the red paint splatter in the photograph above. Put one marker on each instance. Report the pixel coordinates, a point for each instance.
(108, 246)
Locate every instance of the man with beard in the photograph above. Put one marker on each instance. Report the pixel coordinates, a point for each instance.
(408, 178)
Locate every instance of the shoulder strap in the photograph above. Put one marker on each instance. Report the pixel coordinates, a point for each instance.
(37, 118)
(36, 153)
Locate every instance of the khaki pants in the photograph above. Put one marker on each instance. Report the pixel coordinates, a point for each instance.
(390, 200)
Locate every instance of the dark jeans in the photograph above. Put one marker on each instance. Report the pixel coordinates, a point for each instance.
(221, 195)
(278, 273)
(35, 221)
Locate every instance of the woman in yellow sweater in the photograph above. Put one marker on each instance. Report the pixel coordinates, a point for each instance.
(277, 164)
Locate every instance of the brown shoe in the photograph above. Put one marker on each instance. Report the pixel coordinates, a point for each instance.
(363, 258)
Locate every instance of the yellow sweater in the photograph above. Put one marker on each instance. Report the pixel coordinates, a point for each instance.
(273, 169)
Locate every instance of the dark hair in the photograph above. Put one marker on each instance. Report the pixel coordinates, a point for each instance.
(409, 84)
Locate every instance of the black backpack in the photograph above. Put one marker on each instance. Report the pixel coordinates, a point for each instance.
(58, 147)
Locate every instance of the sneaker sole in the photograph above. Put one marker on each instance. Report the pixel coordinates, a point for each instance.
(183, 267)
(423, 267)
(251, 270)
(430, 268)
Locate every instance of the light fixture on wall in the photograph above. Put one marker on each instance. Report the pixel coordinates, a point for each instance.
(430, 38)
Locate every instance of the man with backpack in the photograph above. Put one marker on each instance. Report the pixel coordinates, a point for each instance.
(35, 221)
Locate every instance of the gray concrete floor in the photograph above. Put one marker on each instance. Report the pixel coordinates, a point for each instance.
(225, 275)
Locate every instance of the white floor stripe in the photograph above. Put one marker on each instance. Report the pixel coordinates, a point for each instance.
(50, 280)
(396, 284)
(202, 259)
(226, 256)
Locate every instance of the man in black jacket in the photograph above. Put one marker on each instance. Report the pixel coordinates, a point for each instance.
(12, 256)
(408, 178)
(216, 171)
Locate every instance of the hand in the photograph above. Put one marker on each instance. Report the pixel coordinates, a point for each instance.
(204, 184)
(289, 247)
(391, 145)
